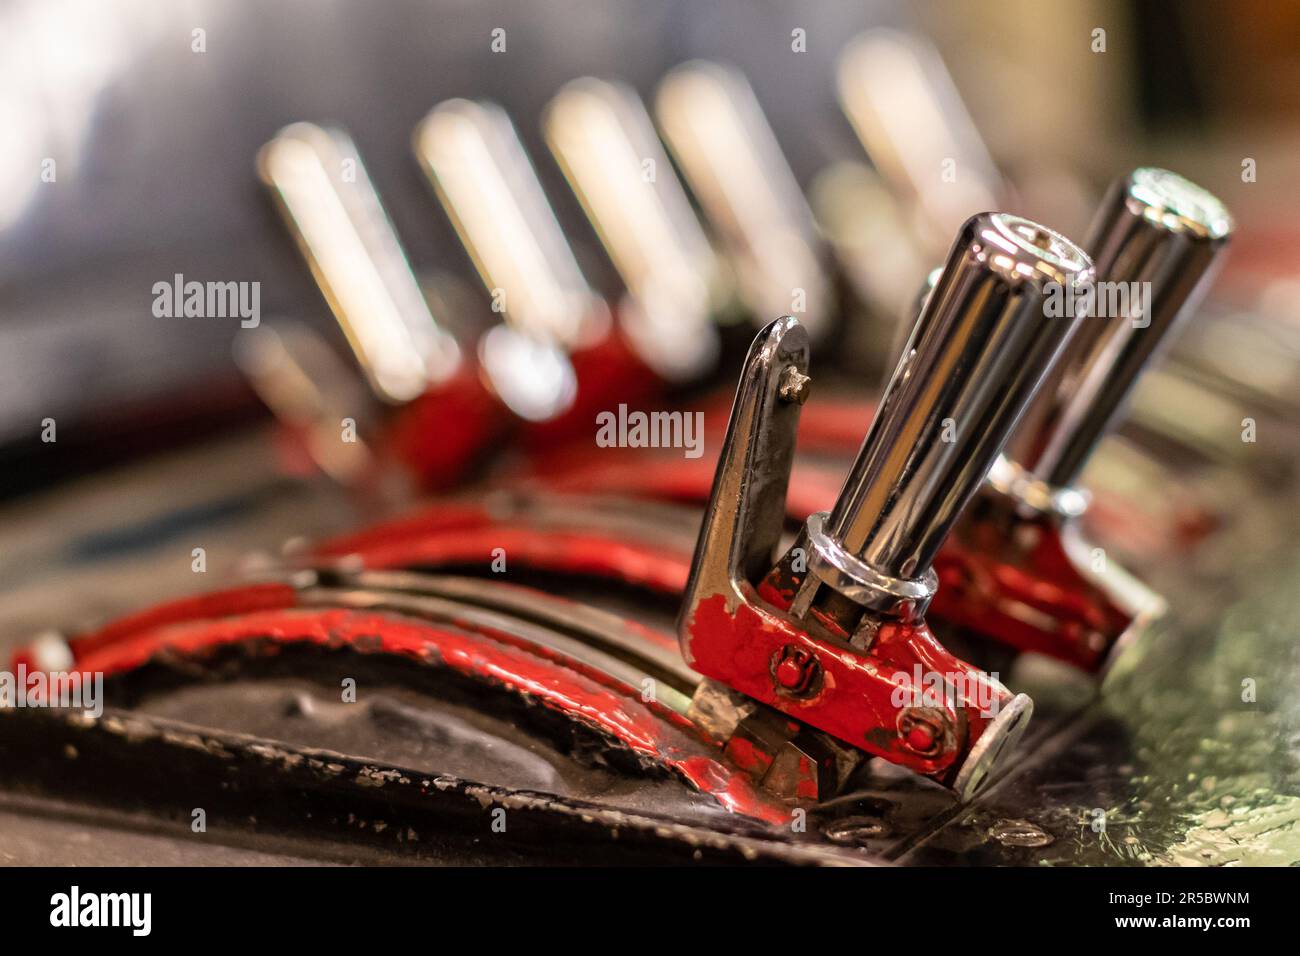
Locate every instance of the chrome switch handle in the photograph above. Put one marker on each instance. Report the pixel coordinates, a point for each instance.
(1157, 243)
(331, 207)
(729, 155)
(980, 348)
(606, 145)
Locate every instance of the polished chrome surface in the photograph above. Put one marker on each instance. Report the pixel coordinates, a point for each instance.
(489, 189)
(604, 141)
(482, 176)
(1034, 495)
(999, 740)
(331, 207)
(907, 112)
(1157, 242)
(533, 377)
(900, 599)
(903, 330)
(726, 149)
(979, 349)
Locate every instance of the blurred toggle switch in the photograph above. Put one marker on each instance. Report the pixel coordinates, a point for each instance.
(443, 413)
(489, 189)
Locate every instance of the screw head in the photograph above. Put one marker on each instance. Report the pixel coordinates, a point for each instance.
(921, 730)
(794, 386)
(921, 738)
(795, 670)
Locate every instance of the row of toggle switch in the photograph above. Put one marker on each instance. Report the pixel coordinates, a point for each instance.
(963, 500)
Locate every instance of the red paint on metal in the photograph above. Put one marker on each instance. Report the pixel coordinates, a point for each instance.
(733, 789)
(806, 788)
(856, 698)
(753, 760)
(447, 515)
(458, 534)
(539, 674)
(1036, 600)
(579, 552)
(257, 597)
(608, 373)
(921, 738)
(795, 669)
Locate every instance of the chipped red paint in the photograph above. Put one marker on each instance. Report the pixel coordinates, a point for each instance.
(257, 597)
(503, 661)
(1033, 600)
(806, 789)
(779, 596)
(753, 760)
(560, 659)
(854, 699)
(733, 789)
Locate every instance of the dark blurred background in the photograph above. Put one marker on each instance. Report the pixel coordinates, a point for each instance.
(153, 147)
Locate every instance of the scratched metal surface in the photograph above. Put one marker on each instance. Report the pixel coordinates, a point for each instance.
(1174, 755)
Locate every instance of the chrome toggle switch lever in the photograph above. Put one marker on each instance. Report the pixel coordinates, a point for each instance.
(1016, 569)
(606, 145)
(412, 364)
(832, 637)
(902, 102)
(731, 160)
(1157, 243)
(490, 191)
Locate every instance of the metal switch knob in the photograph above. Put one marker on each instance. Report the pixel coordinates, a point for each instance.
(1157, 243)
(981, 346)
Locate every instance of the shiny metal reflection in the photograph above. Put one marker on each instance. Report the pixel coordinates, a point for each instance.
(535, 379)
(331, 207)
(733, 164)
(911, 120)
(979, 349)
(490, 191)
(604, 141)
(1157, 242)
